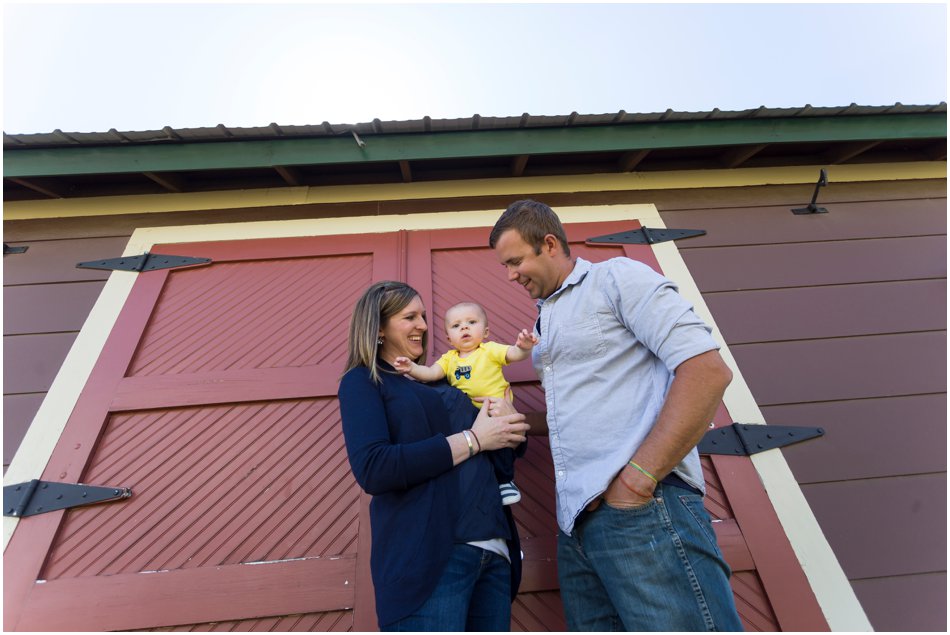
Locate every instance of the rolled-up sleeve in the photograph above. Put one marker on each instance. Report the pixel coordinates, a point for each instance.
(651, 308)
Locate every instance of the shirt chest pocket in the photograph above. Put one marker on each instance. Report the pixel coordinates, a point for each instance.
(579, 338)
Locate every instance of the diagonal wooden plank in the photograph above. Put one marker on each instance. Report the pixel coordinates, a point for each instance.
(190, 596)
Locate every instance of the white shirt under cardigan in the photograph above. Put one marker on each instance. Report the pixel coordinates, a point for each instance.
(610, 338)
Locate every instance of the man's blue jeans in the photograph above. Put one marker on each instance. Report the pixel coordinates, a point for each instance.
(473, 594)
(651, 568)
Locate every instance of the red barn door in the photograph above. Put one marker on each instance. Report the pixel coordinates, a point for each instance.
(770, 589)
(214, 399)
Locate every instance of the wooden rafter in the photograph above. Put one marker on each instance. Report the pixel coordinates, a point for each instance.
(735, 157)
(518, 164)
(43, 189)
(169, 181)
(630, 160)
(846, 152)
(406, 171)
(290, 175)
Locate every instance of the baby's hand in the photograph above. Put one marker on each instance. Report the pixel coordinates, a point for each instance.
(402, 365)
(526, 340)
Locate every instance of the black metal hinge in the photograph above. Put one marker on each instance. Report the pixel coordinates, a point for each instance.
(7, 249)
(646, 236)
(38, 497)
(742, 439)
(145, 262)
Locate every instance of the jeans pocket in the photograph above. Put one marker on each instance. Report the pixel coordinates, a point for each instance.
(631, 510)
(694, 505)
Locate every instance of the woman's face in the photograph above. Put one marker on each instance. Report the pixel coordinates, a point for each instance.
(402, 334)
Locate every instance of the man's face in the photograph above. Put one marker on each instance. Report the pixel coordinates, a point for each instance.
(539, 274)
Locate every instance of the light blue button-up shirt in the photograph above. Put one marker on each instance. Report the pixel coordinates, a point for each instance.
(610, 338)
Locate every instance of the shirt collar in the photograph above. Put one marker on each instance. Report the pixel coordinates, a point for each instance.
(581, 267)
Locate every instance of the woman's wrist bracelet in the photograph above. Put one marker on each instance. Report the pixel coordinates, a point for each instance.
(642, 471)
(479, 443)
(468, 439)
(471, 448)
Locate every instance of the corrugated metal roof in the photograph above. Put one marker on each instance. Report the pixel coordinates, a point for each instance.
(58, 138)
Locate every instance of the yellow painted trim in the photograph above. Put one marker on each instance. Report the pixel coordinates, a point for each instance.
(41, 437)
(831, 587)
(143, 239)
(683, 179)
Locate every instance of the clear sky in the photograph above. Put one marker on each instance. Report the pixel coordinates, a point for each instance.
(135, 66)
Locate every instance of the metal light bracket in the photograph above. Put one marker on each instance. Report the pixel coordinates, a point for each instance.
(812, 208)
(38, 497)
(145, 262)
(742, 439)
(646, 236)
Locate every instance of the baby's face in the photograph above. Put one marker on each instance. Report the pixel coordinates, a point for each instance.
(466, 328)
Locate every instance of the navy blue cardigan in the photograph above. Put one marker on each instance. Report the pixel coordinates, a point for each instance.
(395, 434)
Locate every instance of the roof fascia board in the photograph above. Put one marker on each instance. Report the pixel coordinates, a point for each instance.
(183, 157)
(516, 187)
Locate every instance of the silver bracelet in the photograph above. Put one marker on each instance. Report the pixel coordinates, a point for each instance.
(471, 448)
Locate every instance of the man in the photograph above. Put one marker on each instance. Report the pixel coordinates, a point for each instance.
(632, 379)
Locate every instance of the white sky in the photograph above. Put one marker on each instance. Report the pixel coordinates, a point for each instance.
(132, 66)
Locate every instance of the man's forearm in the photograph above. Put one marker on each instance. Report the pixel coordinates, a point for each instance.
(691, 403)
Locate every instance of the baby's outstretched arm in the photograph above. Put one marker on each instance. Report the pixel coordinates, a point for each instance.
(522, 346)
(406, 366)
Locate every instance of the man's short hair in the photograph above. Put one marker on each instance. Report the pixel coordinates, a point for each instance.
(534, 221)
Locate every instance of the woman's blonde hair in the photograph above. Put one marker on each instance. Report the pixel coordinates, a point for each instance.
(378, 303)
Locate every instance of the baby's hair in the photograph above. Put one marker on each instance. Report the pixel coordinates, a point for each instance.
(475, 305)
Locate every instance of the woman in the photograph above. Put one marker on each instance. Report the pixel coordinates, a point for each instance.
(441, 540)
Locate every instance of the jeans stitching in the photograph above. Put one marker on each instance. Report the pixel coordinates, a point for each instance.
(693, 580)
(573, 543)
(700, 522)
(630, 510)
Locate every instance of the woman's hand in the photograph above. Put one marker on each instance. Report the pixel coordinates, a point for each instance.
(507, 429)
(498, 407)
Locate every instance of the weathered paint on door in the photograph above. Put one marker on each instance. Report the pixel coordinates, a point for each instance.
(214, 400)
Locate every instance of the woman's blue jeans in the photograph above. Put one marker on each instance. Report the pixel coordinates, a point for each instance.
(651, 568)
(473, 594)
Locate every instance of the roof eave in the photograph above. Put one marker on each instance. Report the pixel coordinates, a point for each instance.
(174, 156)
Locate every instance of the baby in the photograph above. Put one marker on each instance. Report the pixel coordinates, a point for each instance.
(474, 367)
